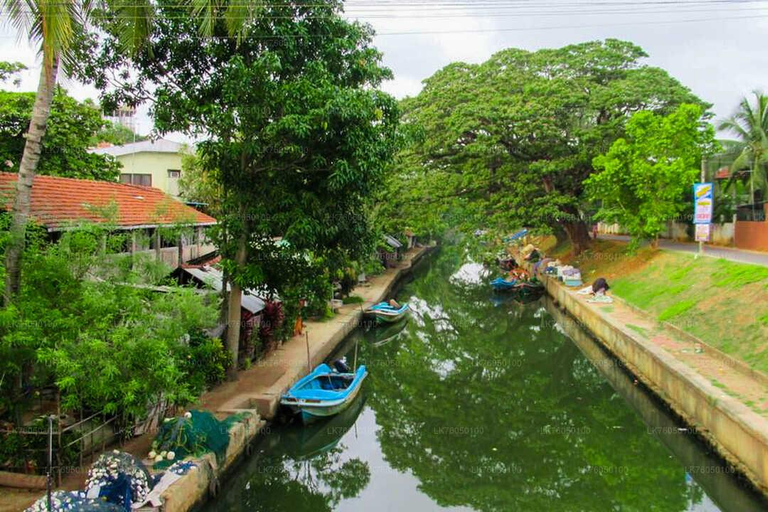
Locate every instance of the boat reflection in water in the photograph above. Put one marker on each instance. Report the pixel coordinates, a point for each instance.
(309, 441)
(380, 336)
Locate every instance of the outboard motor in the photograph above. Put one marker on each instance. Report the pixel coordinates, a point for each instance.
(341, 366)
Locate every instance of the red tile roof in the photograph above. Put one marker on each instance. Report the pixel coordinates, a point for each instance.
(58, 202)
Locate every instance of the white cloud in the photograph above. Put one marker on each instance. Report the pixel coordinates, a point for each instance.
(721, 59)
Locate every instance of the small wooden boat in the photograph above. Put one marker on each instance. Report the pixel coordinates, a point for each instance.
(502, 285)
(386, 314)
(324, 392)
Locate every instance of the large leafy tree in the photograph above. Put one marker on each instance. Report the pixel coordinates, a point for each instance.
(643, 179)
(750, 150)
(71, 130)
(293, 128)
(511, 141)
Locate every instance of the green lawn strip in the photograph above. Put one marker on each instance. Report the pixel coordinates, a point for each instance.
(677, 309)
(706, 298)
(735, 275)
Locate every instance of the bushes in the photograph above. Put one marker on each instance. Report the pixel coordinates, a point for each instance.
(204, 360)
(110, 343)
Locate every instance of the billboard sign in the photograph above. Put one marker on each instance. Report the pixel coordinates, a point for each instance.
(703, 198)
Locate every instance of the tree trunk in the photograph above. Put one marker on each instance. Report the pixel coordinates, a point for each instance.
(578, 233)
(233, 308)
(27, 169)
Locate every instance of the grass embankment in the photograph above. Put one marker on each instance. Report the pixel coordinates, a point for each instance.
(723, 303)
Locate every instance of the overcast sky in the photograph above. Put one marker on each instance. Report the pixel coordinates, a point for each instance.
(716, 47)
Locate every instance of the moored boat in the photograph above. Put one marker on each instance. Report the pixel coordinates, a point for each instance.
(383, 312)
(502, 285)
(324, 392)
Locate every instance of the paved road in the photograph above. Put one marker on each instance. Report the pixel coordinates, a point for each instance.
(756, 258)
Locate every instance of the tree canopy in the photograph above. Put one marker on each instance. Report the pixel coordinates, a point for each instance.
(293, 126)
(750, 151)
(509, 142)
(643, 179)
(71, 129)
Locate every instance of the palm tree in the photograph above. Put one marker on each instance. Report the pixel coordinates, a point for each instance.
(750, 125)
(54, 26)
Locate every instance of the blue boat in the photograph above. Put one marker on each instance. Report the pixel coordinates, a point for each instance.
(517, 236)
(502, 285)
(324, 392)
(386, 314)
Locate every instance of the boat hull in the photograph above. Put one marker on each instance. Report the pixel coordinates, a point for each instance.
(312, 413)
(384, 314)
(312, 399)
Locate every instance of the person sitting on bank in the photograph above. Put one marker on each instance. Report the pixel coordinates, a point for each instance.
(600, 286)
(534, 256)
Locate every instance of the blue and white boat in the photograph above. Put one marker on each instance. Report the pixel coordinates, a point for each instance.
(502, 285)
(324, 392)
(384, 313)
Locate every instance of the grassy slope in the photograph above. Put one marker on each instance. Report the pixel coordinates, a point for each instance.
(723, 303)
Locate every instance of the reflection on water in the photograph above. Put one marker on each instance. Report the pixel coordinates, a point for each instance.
(480, 403)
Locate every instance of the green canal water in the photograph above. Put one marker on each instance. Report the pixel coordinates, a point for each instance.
(482, 403)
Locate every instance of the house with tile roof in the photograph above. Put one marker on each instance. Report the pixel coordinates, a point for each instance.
(151, 163)
(59, 204)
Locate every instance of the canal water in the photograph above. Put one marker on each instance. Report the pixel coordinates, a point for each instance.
(481, 403)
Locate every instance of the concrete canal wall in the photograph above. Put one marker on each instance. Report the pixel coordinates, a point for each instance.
(738, 433)
(258, 390)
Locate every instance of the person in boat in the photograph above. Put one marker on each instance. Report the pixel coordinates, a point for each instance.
(394, 304)
(600, 286)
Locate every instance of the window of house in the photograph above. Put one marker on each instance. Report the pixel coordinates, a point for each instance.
(137, 179)
(174, 173)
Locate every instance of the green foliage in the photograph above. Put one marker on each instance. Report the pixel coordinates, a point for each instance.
(643, 178)
(11, 69)
(677, 309)
(353, 299)
(750, 151)
(296, 135)
(204, 360)
(116, 134)
(737, 275)
(86, 322)
(509, 142)
(72, 127)
(27, 451)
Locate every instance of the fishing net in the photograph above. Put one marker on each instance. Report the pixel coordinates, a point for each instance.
(120, 478)
(193, 434)
(77, 500)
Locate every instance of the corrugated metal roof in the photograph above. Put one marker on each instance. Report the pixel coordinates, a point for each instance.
(214, 277)
(145, 146)
(392, 241)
